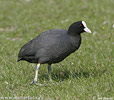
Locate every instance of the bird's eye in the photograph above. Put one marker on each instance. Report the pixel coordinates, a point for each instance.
(81, 25)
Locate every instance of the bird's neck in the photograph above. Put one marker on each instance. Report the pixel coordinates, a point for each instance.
(75, 41)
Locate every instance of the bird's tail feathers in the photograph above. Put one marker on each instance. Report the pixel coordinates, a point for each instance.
(19, 59)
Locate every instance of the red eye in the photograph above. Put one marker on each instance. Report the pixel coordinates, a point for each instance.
(81, 25)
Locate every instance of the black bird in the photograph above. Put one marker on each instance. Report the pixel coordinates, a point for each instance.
(53, 46)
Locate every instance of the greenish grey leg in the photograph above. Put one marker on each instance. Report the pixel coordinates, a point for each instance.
(49, 72)
(36, 74)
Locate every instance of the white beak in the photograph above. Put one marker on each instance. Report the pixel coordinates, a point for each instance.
(86, 29)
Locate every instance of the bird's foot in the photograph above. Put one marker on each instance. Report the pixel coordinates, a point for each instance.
(35, 82)
(50, 80)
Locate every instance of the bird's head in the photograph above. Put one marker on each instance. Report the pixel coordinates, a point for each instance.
(78, 28)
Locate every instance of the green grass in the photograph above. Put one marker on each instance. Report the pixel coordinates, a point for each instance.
(86, 74)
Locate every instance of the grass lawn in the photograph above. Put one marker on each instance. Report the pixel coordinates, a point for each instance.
(87, 74)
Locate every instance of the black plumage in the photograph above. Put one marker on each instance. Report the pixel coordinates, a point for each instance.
(53, 46)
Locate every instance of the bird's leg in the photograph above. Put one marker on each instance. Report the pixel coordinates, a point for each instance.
(36, 74)
(49, 72)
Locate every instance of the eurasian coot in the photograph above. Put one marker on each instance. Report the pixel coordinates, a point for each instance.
(53, 46)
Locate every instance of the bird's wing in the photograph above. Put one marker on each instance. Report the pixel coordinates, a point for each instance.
(47, 40)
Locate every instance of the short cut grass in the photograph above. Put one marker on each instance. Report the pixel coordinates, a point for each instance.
(86, 74)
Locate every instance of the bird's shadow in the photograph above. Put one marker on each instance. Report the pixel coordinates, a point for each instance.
(59, 75)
